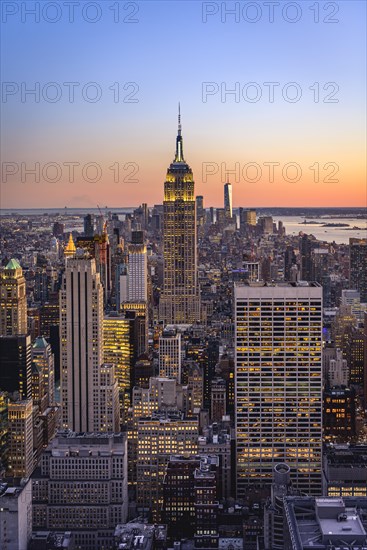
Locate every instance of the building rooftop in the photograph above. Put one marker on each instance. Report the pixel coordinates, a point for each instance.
(11, 492)
(166, 416)
(50, 540)
(345, 463)
(13, 264)
(280, 284)
(88, 444)
(40, 343)
(325, 523)
(139, 536)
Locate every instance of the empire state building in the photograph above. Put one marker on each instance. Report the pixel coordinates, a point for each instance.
(179, 302)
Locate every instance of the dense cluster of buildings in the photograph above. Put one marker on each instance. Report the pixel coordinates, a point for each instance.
(181, 377)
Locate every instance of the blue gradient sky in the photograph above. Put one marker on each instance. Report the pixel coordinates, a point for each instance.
(169, 53)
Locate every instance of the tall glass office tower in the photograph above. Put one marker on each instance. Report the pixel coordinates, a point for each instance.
(278, 385)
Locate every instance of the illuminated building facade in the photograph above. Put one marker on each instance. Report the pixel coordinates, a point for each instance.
(20, 418)
(349, 338)
(137, 312)
(228, 213)
(179, 302)
(354, 354)
(118, 349)
(160, 436)
(133, 289)
(247, 217)
(13, 301)
(339, 415)
(161, 394)
(278, 384)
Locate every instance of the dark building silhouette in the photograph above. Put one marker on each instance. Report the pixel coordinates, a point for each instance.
(88, 225)
(305, 248)
(15, 371)
(289, 261)
(358, 267)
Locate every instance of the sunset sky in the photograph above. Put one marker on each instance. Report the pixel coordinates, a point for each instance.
(168, 53)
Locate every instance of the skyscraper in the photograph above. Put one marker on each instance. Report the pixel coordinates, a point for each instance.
(305, 249)
(20, 418)
(13, 301)
(43, 357)
(132, 292)
(247, 217)
(228, 201)
(81, 320)
(137, 269)
(170, 355)
(88, 225)
(278, 376)
(109, 410)
(200, 211)
(358, 266)
(118, 349)
(103, 261)
(179, 302)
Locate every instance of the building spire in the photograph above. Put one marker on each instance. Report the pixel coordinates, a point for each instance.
(70, 248)
(179, 142)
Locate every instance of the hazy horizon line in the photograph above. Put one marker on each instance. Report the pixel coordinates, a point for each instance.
(161, 204)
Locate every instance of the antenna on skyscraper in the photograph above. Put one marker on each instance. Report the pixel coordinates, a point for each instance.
(179, 119)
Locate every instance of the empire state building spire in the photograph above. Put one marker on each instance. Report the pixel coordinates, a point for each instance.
(180, 299)
(179, 142)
